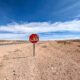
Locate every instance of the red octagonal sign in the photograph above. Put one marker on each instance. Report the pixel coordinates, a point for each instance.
(34, 38)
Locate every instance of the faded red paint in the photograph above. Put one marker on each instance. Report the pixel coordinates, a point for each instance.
(34, 38)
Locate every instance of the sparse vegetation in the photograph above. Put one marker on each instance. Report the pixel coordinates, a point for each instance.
(78, 45)
(44, 46)
(76, 40)
(17, 50)
(1, 65)
(64, 42)
(5, 57)
(78, 51)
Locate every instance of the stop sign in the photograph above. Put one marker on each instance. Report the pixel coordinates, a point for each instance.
(34, 38)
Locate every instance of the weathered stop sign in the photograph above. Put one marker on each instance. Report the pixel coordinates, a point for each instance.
(34, 38)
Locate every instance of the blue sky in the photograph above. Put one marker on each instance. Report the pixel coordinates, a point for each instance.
(50, 19)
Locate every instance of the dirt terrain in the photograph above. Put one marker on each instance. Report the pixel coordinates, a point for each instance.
(54, 60)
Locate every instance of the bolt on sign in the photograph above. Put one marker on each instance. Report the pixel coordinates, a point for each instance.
(34, 38)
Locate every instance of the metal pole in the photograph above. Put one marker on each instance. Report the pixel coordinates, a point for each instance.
(33, 49)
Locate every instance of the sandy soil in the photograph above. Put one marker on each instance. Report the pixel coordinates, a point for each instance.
(54, 60)
(8, 41)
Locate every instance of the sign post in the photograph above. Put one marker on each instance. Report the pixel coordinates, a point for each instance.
(34, 38)
(33, 49)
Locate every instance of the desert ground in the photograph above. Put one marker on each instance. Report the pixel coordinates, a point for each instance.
(54, 60)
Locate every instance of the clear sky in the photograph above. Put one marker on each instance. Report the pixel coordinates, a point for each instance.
(50, 19)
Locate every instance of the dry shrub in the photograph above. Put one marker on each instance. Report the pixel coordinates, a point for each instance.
(44, 46)
(64, 42)
(78, 50)
(1, 65)
(78, 45)
(5, 57)
(75, 40)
